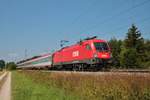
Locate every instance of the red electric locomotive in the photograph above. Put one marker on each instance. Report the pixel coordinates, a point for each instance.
(88, 53)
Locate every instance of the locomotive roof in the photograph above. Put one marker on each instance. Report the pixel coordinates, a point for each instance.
(83, 41)
(33, 58)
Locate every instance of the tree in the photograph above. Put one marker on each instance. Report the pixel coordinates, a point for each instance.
(146, 59)
(11, 66)
(132, 54)
(115, 49)
(134, 39)
(128, 58)
(2, 64)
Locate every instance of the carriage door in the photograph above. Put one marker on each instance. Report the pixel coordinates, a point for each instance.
(88, 51)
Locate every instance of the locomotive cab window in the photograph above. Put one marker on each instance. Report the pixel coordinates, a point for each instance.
(88, 47)
(101, 46)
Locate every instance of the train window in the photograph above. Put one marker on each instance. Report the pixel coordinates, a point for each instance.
(101, 46)
(88, 47)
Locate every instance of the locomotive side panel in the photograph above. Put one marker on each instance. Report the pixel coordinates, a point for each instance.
(68, 55)
(79, 53)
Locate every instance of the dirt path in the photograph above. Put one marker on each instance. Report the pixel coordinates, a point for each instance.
(3, 75)
(5, 92)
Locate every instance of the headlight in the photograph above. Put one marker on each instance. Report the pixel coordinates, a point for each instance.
(95, 55)
(104, 55)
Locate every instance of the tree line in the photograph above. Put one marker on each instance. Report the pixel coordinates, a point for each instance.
(8, 66)
(132, 52)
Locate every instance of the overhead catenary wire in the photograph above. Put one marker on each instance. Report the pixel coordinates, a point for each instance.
(111, 18)
(124, 26)
(115, 31)
(108, 19)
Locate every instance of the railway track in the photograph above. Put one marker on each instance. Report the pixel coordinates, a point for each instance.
(101, 73)
(124, 70)
(112, 72)
(131, 70)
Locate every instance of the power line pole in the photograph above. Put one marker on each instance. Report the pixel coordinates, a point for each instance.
(62, 43)
(25, 54)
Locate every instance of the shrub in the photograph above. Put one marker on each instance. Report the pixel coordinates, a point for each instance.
(11, 66)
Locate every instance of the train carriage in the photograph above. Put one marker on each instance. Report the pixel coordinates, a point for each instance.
(90, 52)
(38, 62)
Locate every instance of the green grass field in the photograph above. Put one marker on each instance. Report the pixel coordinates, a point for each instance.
(25, 88)
(36, 85)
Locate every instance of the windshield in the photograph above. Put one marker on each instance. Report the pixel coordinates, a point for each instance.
(101, 46)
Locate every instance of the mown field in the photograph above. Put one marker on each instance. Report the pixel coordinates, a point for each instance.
(36, 85)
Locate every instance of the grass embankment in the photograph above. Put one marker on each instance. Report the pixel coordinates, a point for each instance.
(26, 88)
(89, 87)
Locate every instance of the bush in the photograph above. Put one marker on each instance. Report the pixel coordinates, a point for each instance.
(2, 64)
(146, 65)
(11, 66)
(129, 58)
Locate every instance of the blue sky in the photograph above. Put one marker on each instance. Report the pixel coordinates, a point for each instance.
(38, 25)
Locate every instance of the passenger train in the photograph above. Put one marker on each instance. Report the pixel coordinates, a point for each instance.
(90, 53)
